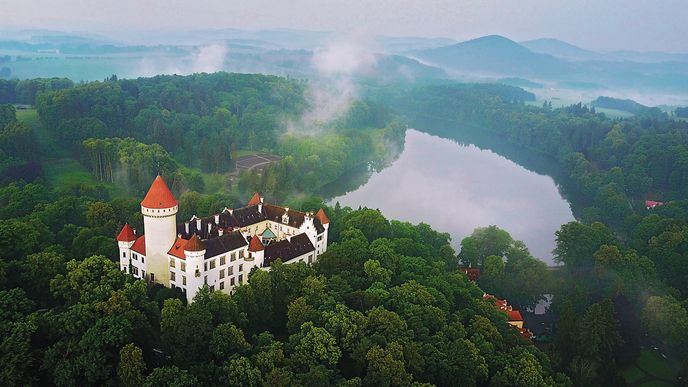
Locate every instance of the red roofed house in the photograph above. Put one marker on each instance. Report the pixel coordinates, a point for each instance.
(218, 251)
(515, 318)
(473, 273)
(651, 204)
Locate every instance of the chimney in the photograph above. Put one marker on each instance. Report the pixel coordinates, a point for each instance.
(231, 211)
(198, 224)
(217, 218)
(210, 227)
(260, 207)
(134, 231)
(179, 235)
(186, 227)
(220, 231)
(261, 199)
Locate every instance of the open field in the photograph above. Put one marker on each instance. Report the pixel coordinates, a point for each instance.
(651, 369)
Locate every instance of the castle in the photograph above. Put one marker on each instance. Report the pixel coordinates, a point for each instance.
(218, 251)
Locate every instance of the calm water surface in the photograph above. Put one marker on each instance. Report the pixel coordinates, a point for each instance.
(456, 188)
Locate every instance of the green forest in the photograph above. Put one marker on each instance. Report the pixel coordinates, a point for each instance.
(385, 305)
(629, 258)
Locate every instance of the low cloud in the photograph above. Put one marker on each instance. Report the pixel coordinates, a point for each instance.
(205, 59)
(332, 89)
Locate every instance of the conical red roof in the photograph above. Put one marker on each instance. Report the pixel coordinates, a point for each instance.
(159, 195)
(194, 244)
(127, 234)
(255, 244)
(322, 217)
(254, 200)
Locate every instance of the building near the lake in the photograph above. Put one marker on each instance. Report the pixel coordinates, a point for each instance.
(514, 317)
(218, 251)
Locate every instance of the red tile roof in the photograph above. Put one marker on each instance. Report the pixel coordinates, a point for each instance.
(501, 304)
(127, 234)
(159, 195)
(526, 333)
(177, 249)
(194, 244)
(254, 200)
(255, 244)
(140, 245)
(322, 217)
(652, 203)
(514, 315)
(473, 273)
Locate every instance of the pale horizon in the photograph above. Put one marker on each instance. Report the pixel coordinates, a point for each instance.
(601, 26)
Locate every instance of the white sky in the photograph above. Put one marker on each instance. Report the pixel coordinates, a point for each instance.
(660, 25)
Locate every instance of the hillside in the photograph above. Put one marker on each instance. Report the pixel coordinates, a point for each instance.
(560, 49)
(495, 55)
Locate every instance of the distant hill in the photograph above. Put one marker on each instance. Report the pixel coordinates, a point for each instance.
(626, 105)
(494, 55)
(497, 56)
(561, 49)
(520, 82)
(402, 44)
(681, 112)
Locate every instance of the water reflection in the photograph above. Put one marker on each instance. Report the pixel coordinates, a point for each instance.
(456, 188)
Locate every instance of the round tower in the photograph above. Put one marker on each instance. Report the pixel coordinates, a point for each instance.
(159, 209)
(194, 253)
(125, 239)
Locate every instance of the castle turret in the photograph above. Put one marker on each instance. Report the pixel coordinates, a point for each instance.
(125, 239)
(194, 252)
(256, 254)
(159, 209)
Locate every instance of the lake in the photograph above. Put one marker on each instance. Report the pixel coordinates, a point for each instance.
(457, 187)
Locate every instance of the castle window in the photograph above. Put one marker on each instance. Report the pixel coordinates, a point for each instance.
(205, 266)
(232, 257)
(241, 278)
(223, 260)
(319, 238)
(241, 268)
(143, 259)
(230, 270)
(152, 276)
(134, 270)
(124, 254)
(212, 264)
(222, 285)
(171, 262)
(184, 280)
(172, 276)
(241, 253)
(205, 279)
(183, 266)
(135, 257)
(222, 273)
(231, 281)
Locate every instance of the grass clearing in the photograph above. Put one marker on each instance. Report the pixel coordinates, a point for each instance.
(633, 374)
(66, 173)
(653, 363)
(656, 383)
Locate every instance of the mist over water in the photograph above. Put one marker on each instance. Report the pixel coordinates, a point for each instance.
(456, 188)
